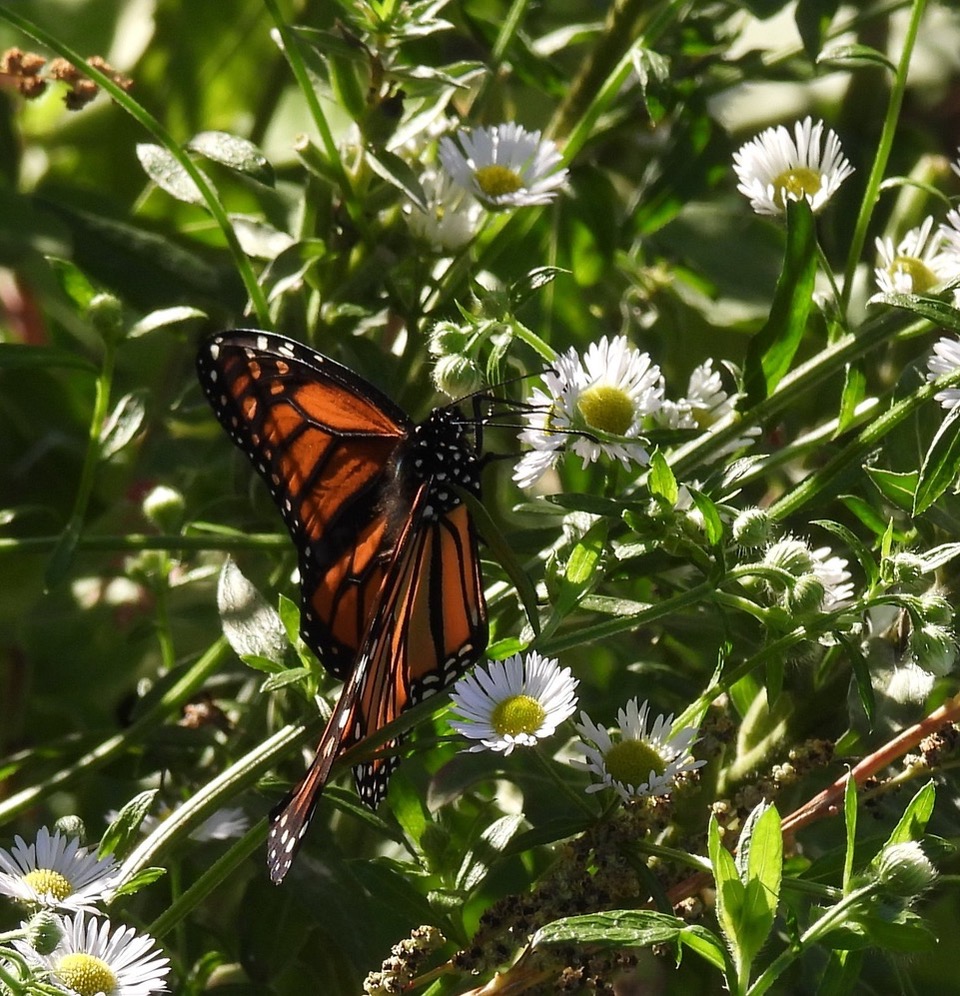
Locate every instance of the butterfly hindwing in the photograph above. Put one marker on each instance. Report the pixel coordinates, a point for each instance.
(391, 591)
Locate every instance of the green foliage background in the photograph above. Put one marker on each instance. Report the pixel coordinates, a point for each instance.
(653, 241)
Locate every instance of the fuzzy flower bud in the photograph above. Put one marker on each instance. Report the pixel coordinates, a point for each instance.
(447, 339)
(904, 870)
(805, 596)
(456, 376)
(43, 932)
(790, 555)
(905, 567)
(934, 608)
(751, 528)
(71, 826)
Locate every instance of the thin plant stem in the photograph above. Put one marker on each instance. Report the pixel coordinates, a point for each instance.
(882, 156)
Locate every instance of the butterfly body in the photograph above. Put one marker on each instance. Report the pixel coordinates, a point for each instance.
(391, 592)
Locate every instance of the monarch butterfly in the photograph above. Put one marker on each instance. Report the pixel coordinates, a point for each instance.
(391, 593)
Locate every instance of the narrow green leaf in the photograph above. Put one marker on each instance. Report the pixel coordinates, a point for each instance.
(760, 858)
(493, 841)
(712, 523)
(661, 480)
(850, 823)
(708, 946)
(164, 318)
(861, 676)
(941, 464)
(854, 391)
(730, 890)
(913, 824)
(865, 513)
(772, 349)
(853, 55)
(856, 546)
(898, 488)
(144, 877)
(813, 19)
(616, 928)
(14, 356)
(122, 424)
(931, 308)
(125, 826)
(394, 170)
(289, 676)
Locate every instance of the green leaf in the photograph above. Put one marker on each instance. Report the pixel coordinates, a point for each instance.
(251, 626)
(854, 391)
(234, 152)
(941, 464)
(913, 824)
(899, 488)
(168, 174)
(853, 55)
(772, 349)
(394, 170)
(122, 424)
(144, 877)
(164, 318)
(712, 523)
(856, 546)
(813, 19)
(850, 824)
(493, 841)
(289, 676)
(760, 861)
(930, 308)
(125, 826)
(730, 890)
(661, 480)
(615, 928)
(865, 513)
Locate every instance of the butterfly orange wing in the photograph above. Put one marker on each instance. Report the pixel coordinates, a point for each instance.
(321, 438)
(430, 625)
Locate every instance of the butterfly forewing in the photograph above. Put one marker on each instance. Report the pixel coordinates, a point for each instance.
(321, 438)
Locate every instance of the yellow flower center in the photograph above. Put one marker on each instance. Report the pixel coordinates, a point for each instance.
(48, 882)
(607, 408)
(86, 975)
(631, 761)
(518, 714)
(796, 183)
(495, 180)
(922, 278)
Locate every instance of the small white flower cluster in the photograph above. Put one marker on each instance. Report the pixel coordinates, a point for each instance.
(66, 940)
(521, 701)
(496, 168)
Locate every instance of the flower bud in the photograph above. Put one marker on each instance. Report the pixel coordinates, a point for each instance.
(934, 608)
(904, 870)
(456, 376)
(43, 932)
(447, 339)
(164, 507)
(71, 826)
(791, 555)
(751, 528)
(105, 313)
(805, 596)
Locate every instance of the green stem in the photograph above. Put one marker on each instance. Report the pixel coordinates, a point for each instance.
(220, 871)
(155, 128)
(856, 451)
(882, 156)
(686, 459)
(142, 541)
(131, 739)
(833, 918)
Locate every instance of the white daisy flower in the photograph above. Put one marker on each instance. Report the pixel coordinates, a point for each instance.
(452, 217)
(514, 703)
(56, 872)
(638, 763)
(775, 167)
(505, 166)
(92, 958)
(918, 263)
(945, 360)
(608, 393)
(833, 574)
